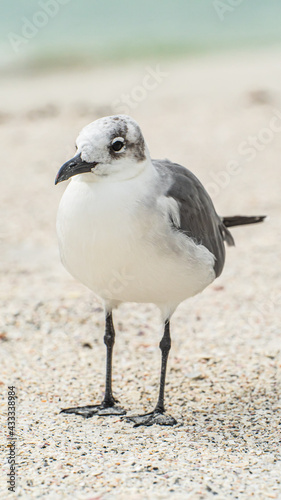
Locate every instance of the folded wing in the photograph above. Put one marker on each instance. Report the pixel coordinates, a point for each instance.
(198, 217)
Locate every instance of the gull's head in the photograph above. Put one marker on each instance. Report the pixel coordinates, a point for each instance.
(112, 147)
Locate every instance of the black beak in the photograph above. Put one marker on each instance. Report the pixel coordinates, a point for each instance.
(73, 167)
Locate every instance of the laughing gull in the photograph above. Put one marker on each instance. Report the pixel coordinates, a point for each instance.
(133, 229)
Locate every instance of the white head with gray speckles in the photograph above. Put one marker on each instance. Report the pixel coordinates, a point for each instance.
(111, 148)
(115, 144)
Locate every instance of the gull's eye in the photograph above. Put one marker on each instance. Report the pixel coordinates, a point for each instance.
(118, 144)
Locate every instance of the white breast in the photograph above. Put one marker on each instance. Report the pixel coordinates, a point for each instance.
(123, 248)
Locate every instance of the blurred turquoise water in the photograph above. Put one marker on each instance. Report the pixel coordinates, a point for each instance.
(46, 32)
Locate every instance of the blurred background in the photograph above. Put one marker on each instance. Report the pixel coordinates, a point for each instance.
(65, 32)
(203, 80)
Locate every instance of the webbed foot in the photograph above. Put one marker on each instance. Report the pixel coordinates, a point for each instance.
(99, 410)
(154, 417)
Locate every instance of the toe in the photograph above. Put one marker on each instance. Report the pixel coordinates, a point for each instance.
(91, 410)
(151, 419)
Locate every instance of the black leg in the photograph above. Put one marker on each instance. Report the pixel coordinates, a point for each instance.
(109, 339)
(157, 416)
(165, 346)
(107, 406)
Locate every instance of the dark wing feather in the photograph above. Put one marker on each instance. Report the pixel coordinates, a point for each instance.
(198, 217)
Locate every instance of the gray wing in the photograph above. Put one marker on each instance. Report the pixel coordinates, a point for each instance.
(198, 217)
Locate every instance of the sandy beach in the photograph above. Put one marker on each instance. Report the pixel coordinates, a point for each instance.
(220, 116)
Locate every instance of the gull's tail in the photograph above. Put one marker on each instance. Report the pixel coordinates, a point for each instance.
(239, 220)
